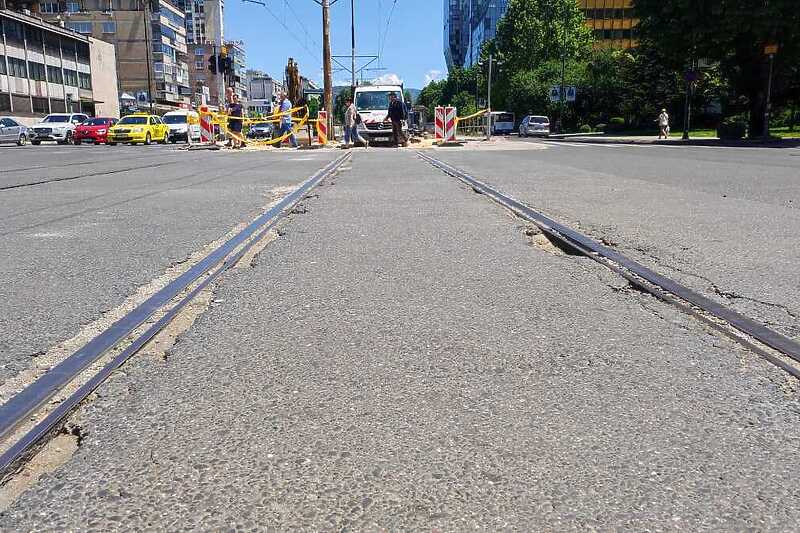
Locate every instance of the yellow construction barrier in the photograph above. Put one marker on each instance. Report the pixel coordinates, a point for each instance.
(478, 113)
(222, 119)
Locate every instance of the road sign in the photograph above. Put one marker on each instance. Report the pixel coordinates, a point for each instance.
(770, 49)
(570, 93)
(555, 93)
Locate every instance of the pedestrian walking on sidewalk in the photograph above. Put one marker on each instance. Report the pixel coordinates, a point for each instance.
(235, 116)
(396, 113)
(286, 120)
(351, 121)
(663, 124)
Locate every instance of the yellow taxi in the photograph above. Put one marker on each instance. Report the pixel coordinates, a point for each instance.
(139, 128)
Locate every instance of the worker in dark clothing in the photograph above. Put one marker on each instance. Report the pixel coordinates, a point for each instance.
(397, 113)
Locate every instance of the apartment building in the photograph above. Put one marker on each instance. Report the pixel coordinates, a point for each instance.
(236, 76)
(49, 69)
(205, 35)
(150, 41)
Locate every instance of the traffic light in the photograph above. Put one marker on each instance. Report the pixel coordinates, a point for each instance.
(212, 64)
(227, 65)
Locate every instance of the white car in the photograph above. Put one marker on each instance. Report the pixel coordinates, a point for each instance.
(534, 125)
(59, 127)
(184, 125)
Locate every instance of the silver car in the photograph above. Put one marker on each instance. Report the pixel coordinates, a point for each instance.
(534, 125)
(12, 131)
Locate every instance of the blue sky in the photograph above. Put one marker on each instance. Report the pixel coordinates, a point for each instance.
(412, 47)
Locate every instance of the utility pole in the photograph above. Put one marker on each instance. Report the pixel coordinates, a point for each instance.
(326, 61)
(770, 50)
(489, 98)
(148, 46)
(353, 48)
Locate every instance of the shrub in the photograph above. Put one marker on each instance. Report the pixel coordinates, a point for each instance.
(732, 128)
(616, 124)
(585, 128)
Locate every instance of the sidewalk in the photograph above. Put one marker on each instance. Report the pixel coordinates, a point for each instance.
(672, 141)
(404, 357)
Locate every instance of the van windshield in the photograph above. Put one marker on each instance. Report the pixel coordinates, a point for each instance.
(373, 100)
(174, 119)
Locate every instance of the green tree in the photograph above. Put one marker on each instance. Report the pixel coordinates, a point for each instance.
(536, 31)
(431, 95)
(731, 34)
(339, 104)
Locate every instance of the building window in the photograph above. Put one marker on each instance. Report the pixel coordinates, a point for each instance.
(16, 67)
(158, 67)
(36, 71)
(33, 35)
(70, 78)
(73, 7)
(40, 105)
(13, 30)
(54, 74)
(2, 64)
(199, 65)
(110, 27)
(199, 51)
(48, 7)
(80, 27)
(5, 102)
(84, 80)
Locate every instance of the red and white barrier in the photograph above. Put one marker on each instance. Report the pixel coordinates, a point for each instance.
(445, 119)
(206, 126)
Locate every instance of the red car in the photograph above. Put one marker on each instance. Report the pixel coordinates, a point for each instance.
(94, 130)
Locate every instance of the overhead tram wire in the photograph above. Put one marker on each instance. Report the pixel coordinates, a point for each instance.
(382, 42)
(311, 53)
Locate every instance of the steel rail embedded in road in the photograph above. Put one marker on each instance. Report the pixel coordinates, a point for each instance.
(643, 277)
(30, 399)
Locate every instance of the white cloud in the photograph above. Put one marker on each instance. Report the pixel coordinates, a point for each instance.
(432, 75)
(388, 79)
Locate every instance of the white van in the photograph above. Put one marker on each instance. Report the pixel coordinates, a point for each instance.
(372, 102)
(184, 125)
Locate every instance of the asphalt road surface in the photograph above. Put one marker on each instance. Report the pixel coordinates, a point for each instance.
(407, 356)
(83, 227)
(724, 221)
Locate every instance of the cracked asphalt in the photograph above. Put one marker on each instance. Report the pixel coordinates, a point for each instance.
(110, 219)
(723, 221)
(404, 358)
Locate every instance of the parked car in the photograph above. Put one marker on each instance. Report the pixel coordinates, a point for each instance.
(12, 131)
(59, 127)
(94, 130)
(534, 125)
(184, 125)
(138, 128)
(260, 130)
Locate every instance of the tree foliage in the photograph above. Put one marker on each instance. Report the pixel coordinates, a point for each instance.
(732, 35)
(533, 32)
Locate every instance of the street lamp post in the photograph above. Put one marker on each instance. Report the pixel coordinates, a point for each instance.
(770, 50)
